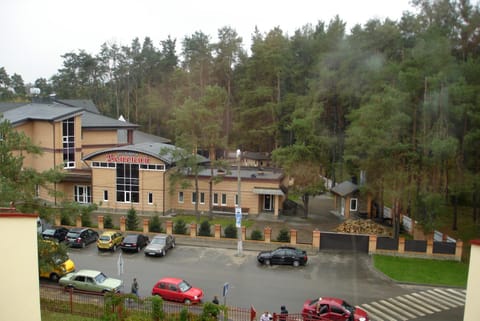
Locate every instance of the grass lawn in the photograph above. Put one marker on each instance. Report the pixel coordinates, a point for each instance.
(423, 271)
(52, 316)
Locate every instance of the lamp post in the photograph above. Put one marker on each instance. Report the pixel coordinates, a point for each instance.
(238, 209)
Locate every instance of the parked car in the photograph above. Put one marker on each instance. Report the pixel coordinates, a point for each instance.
(332, 309)
(179, 290)
(134, 242)
(91, 280)
(160, 245)
(57, 233)
(81, 237)
(283, 255)
(61, 264)
(109, 240)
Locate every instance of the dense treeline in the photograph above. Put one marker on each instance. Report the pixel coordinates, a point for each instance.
(395, 100)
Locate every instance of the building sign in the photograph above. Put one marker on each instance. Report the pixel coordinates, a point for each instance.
(127, 158)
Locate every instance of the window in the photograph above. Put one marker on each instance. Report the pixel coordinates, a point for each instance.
(194, 197)
(83, 194)
(180, 197)
(215, 199)
(68, 140)
(202, 198)
(150, 198)
(224, 199)
(105, 195)
(353, 204)
(127, 183)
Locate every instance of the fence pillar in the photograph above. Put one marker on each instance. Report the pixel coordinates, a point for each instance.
(401, 244)
(169, 227)
(372, 244)
(146, 225)
(58, 220)
(122, 223)
(78, 221)
(193, 230)
(430, 245)
(218, 231)
(316, 239)
(100, 222)
(293, 236)
(244, 233)
(458, 250)
(267, 231)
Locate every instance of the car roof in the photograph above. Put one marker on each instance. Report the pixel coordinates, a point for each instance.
(78, 229)
(91, 273)
(170, 280)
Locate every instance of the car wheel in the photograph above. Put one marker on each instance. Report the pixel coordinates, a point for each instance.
(114, 248)
(173, 244)
(54, 277)
(163, 252)
(83, 245)
(296, 263)
(267, 262)
(187, 301)
(138, 249)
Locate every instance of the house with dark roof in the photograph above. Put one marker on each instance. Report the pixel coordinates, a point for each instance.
(111, 163)
(346, 199)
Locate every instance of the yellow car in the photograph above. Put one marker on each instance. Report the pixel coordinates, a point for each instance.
(62, 268)
(109, 240)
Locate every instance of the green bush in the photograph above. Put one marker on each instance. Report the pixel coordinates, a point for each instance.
(283, 236)
(256, 235)
(205, 229)
(157, 308)
(155, 224)
(184, 314)
(230, 231)
(108, 222)
(210, 311)
(132, 220)
(180, 227)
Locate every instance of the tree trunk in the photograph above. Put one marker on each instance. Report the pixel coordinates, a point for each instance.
(306, 200)
(455, 202)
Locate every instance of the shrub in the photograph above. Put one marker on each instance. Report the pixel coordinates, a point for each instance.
(205, 229)
(180, 227)
(86, 212)
(210, 311)
(157, 308)
(155, 224)
(230, 231)
(132, 219)
(256, 235)
(184, 315)
(108, 222)
(283, 235)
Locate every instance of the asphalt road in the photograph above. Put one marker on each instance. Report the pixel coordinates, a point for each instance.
(345, 275)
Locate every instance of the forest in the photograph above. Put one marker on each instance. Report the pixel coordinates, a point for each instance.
(393, 104)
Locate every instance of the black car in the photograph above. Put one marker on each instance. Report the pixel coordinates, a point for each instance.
(56, 233)
(134, 242)
(283, 255)
(81, 237)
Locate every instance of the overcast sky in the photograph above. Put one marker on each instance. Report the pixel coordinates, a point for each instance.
(35, 33)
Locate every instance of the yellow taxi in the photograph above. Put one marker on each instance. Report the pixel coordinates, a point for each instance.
(62, 267)
(109, 241)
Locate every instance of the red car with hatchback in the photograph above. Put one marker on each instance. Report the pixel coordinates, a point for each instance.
(173, 289)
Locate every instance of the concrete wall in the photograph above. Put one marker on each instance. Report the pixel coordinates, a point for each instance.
(19, 268)
(473, 284)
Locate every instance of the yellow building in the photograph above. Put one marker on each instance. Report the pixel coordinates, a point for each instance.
(111, 163)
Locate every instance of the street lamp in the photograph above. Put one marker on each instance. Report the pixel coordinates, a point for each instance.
(238, 209)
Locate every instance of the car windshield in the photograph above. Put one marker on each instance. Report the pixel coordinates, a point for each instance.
(104, 238)
(100, 278)
(184, 286)
(73, 234)
(348, 306)
(49, 232)
(158, 240)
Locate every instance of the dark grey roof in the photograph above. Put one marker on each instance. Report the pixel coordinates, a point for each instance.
(158, 150)
(7, 106)
(344, 188)
(86, 104)
(36, 111)
(92, 120)
(245, 172)
(141, 137)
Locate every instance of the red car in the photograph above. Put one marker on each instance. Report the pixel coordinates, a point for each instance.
(332, 309)
(179, 290)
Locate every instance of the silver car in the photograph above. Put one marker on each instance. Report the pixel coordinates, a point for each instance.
(90, 280)
(160, 245)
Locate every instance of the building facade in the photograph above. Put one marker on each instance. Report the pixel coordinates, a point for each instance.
(111, 163)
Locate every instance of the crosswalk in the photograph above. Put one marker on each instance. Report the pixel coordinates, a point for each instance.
(415, 305)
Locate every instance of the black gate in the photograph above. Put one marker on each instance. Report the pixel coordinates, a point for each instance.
(344, 242)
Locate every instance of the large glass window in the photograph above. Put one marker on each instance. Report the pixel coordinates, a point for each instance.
(215, 199)
(128, 190)
(202, 198)
(194, 197)
(353, 204)
(68, 140)
(180, 197)
(83, 194)
(224, 199)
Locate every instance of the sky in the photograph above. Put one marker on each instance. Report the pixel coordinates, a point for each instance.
(35, 33)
